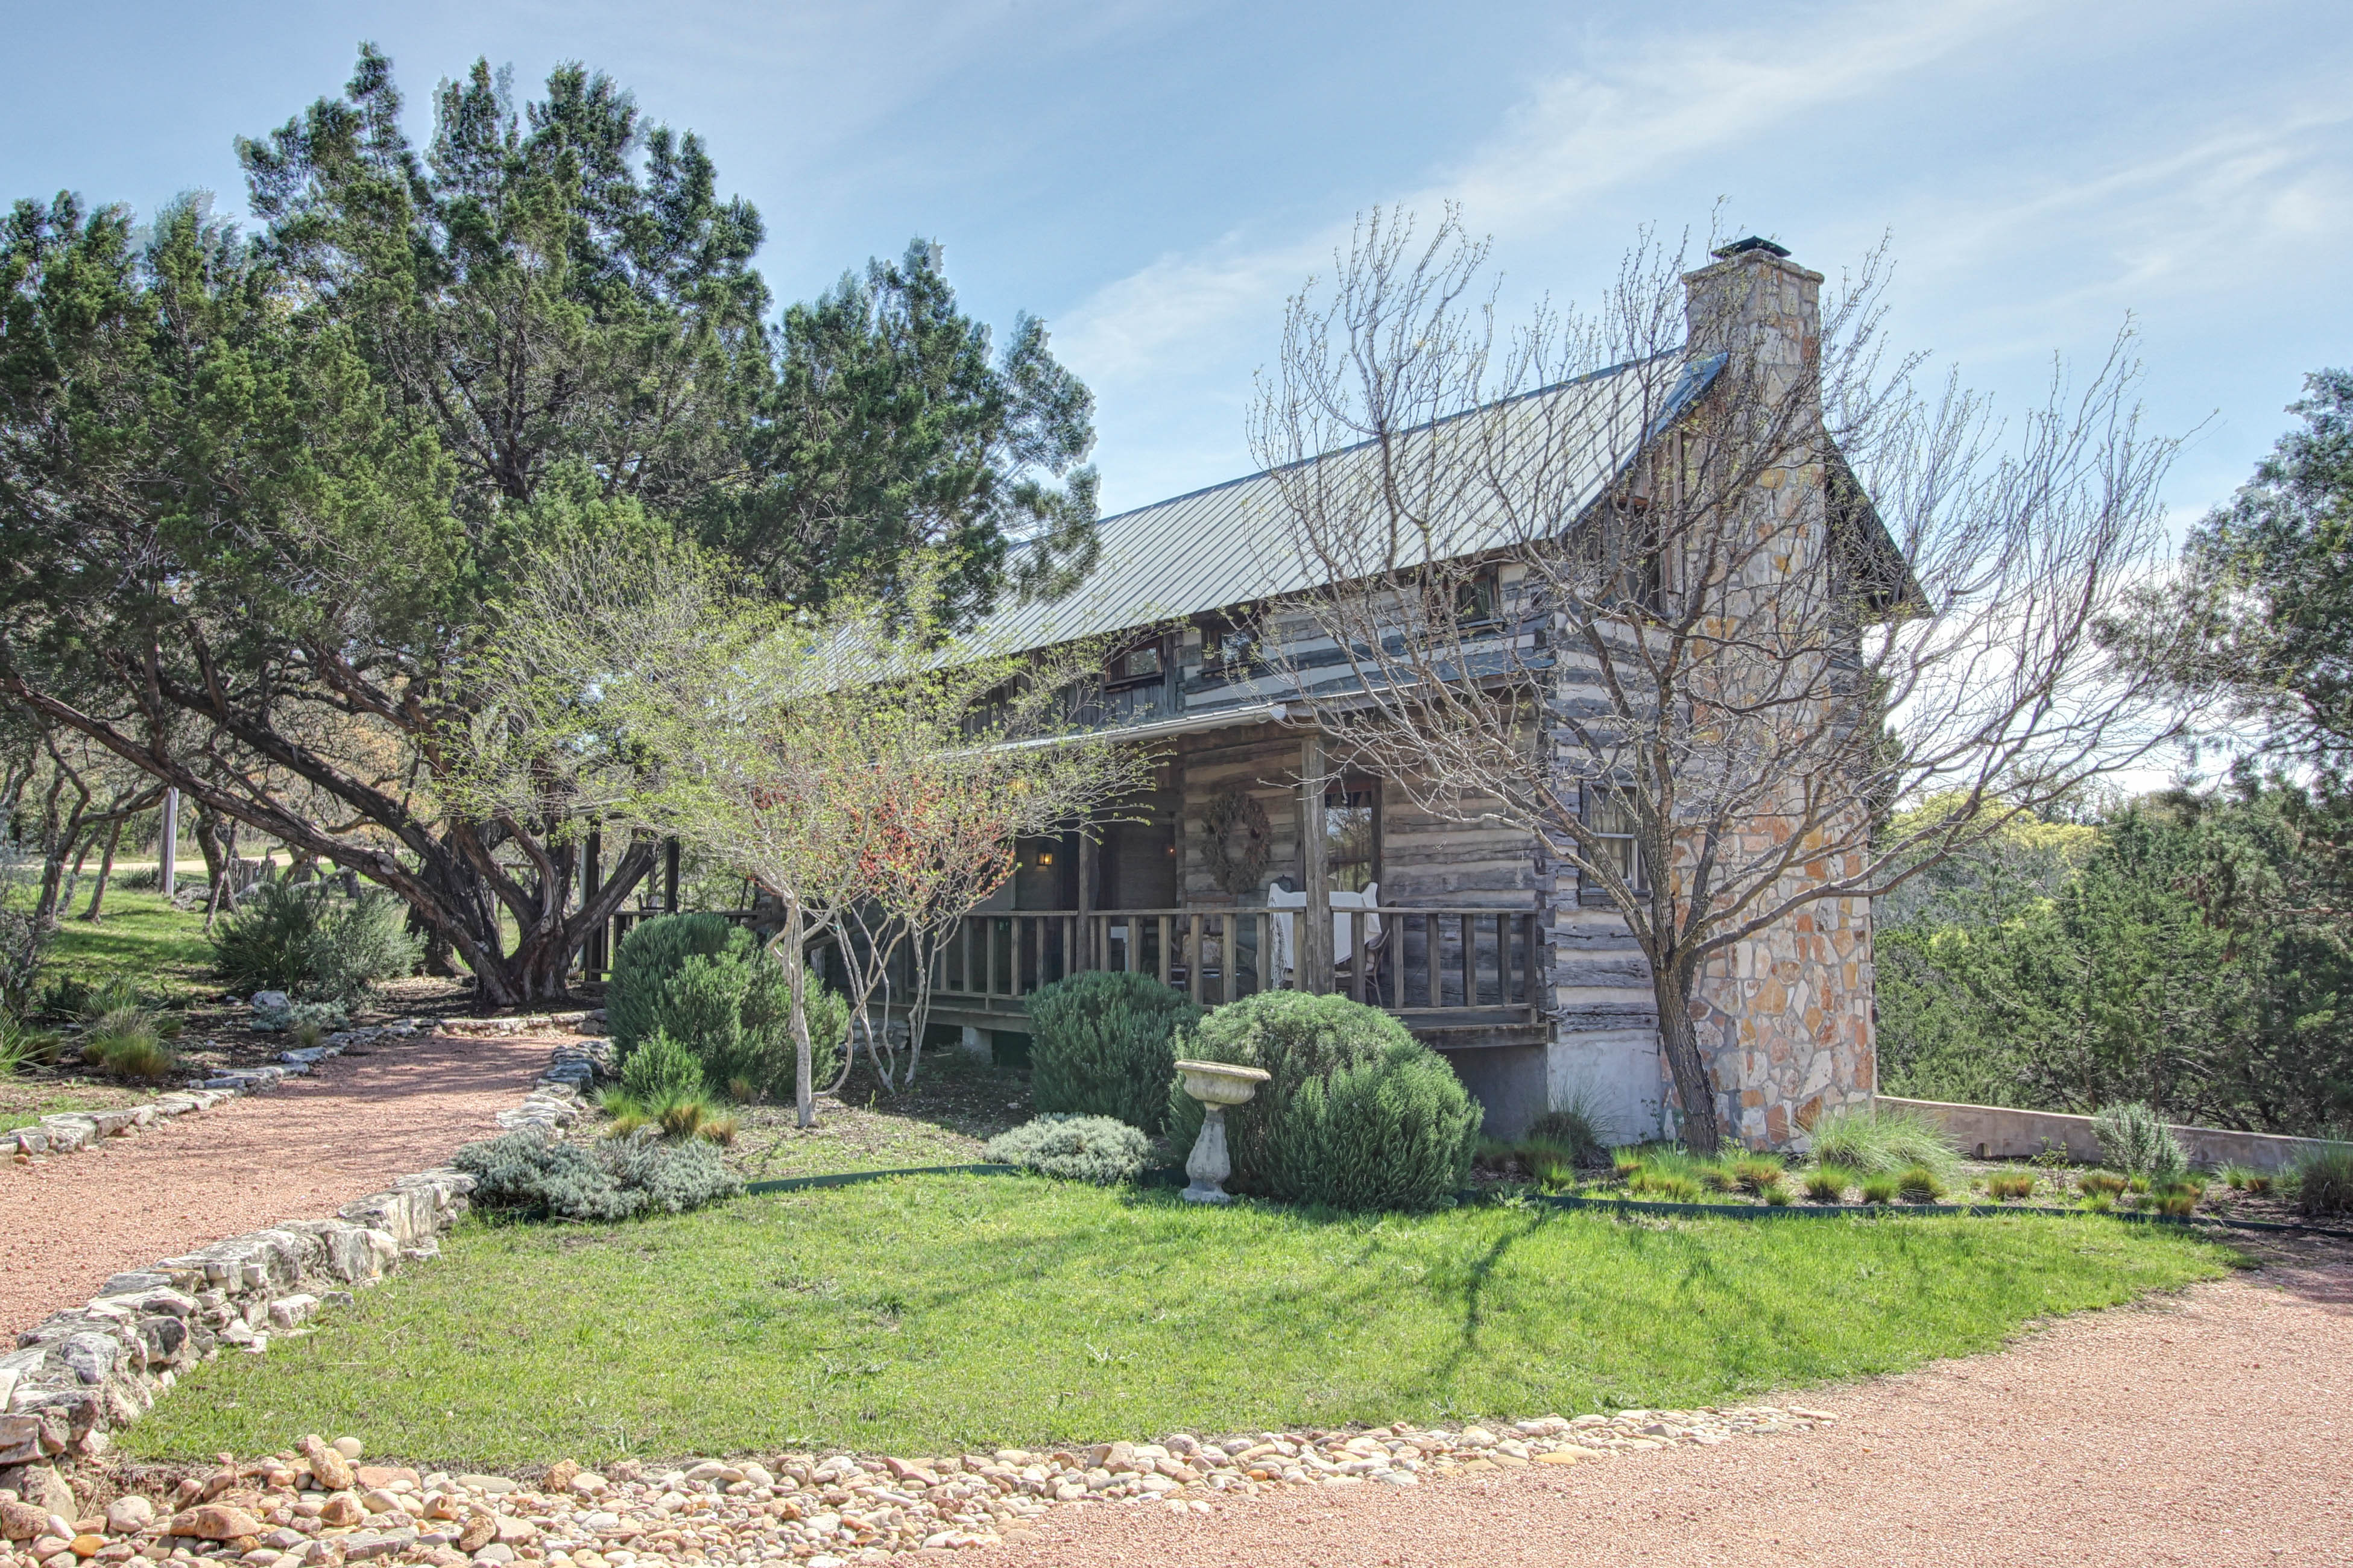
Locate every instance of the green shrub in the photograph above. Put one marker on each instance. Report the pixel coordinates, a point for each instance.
(1099, 1046)
(1295, 1036)
(2324, 1181)
(2137, 1142)
(529, 1175)
(1882, 1140)
(313, 943)
(1097, 1149)
(128, 1043)
(643, 965)
(1392, 1131)
(661, 1071)
(709, 986)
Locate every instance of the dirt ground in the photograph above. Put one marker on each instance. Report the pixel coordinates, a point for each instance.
(2211, 1427)
(300, 1151)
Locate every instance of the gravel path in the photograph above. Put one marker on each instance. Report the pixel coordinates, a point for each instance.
(2210, 1428)
(300, 1151)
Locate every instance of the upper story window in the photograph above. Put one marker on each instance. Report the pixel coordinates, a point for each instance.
(1229, 648)
(1477, 599)
(1139, 663)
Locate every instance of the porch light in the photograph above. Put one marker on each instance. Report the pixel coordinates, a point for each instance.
(1045, 857)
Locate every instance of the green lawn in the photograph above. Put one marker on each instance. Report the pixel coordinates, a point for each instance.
(140, 934)
(943, 1314)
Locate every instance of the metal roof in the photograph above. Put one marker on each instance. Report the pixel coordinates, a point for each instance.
(1230, 545)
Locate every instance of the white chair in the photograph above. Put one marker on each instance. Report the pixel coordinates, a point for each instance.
(1344, 926)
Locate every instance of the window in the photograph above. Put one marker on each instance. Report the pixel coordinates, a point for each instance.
(1476, 598)
(1352, 835)
(1137, 664)
(1611, 817)
(1229, 648)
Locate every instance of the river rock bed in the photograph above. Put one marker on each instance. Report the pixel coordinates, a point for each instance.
(316, 1505)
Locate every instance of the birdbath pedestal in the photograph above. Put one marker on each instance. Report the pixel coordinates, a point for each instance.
(1216, 1085)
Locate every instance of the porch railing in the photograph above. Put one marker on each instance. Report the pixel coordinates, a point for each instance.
(1422, 961)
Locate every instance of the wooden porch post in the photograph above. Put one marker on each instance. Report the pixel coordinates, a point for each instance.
(1085, 957)
(1315, 937)
(670, 876)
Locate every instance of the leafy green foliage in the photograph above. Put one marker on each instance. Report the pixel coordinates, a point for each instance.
(890, 429)
(262, 492)
(643, 963)
(533, 1176)
(706, 982)
(2193, 963)
(1098, 1148)
(1099, 1046)
(313, 943)
(305, 1018)
(661, 1070)
(2262, 616)
(1877, 1139)
(2138, 1142)
(1393, 1130)
(1390, 1109)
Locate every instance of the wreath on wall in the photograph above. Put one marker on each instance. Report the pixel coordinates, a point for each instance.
(1235, 841)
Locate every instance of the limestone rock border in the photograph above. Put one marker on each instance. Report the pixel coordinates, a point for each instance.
(85, 1373)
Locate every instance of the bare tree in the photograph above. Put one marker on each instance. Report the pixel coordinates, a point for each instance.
(1694, 588)
(867, 769)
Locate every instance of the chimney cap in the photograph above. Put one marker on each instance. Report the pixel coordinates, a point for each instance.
(1754, 242)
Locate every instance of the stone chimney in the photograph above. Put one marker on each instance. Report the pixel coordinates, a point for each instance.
(1762, 309)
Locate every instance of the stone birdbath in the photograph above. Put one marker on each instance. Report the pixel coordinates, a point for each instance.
(1216, 1085)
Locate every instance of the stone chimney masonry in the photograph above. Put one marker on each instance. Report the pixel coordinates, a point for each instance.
(1762, 309)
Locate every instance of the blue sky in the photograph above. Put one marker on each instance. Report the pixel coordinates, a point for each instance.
(1153, 179)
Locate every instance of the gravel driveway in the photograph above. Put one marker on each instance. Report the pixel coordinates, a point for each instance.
(300, 1151)
(2213, 1427)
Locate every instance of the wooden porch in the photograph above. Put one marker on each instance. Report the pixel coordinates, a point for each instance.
(1460, 978)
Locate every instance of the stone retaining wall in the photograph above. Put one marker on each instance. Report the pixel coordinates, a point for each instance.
(83, 1374)
(2003, 1132)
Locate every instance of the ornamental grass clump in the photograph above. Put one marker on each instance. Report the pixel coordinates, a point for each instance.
(2246, 1178)
(2324, 1181)
(1879, 1189)
(1100, 1045)
(1919, 1184)
(2008, 1186)
(1097, 1149)
(1882, 1139)
(1575, 1130)
(529, 1175)
(1755, 1173)
(2135, 1141)
(2101, 1184)
(1828, 1184)
(1385, 1104)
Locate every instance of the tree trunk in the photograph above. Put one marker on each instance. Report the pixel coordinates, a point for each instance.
(795, 964)
(208, 845)
(1672, 985)
(220, 888)
(105, 872)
